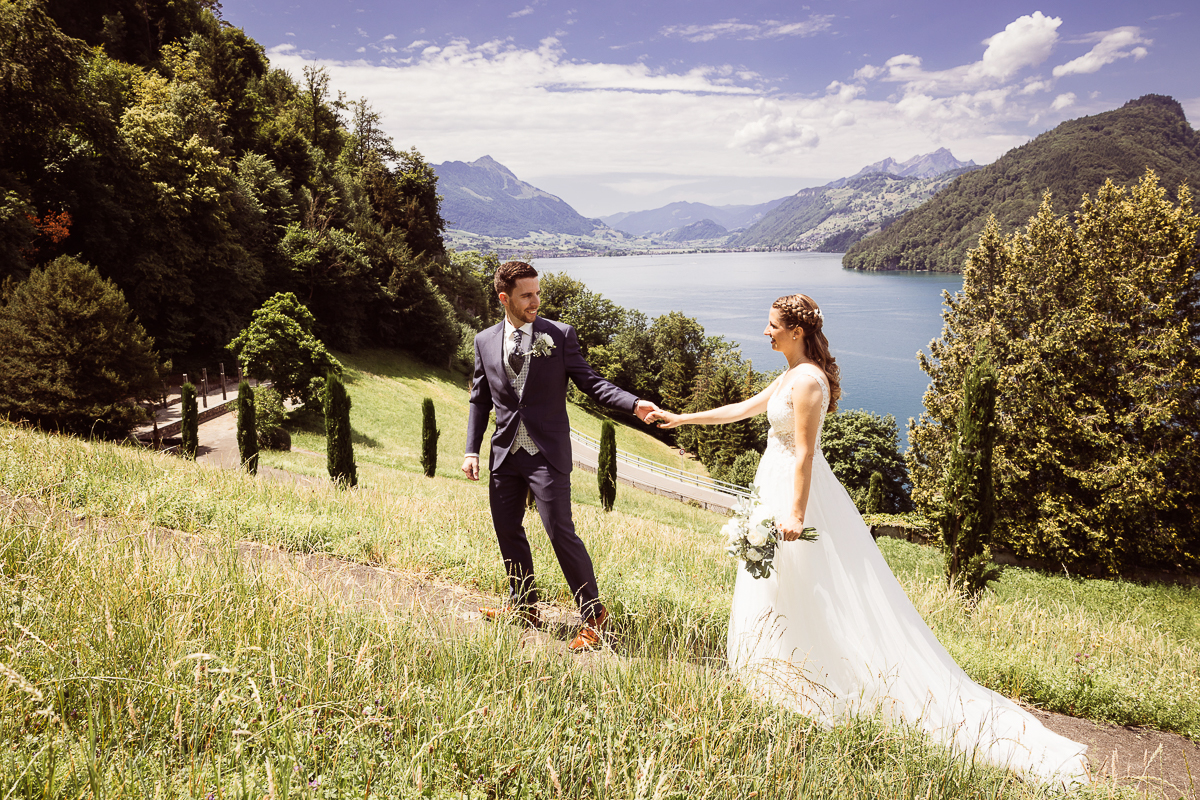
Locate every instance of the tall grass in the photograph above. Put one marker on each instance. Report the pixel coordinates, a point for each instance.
(1104, 650)
(133, 671)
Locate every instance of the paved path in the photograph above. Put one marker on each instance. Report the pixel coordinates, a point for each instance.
(587, 457)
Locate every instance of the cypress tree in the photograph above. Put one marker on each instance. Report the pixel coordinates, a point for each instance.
(339, 448)
(875, 494)
(606, 466)
(247, 428)
(969, 497)
(429, 438)
(191, 420)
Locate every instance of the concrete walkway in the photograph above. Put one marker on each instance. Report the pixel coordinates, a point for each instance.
(586, 458)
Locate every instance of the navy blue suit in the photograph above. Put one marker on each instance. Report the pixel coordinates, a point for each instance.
(543, 409)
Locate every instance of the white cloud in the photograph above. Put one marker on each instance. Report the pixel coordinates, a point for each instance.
(1026, 42)
(842, 119)
(773, 132)
(1063, 101)
(1111, 45)
(766, 29)
(524, 12)
(543, 113)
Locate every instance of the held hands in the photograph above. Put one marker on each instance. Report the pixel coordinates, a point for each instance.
(645, 409)
(665, 419)
(470, 467)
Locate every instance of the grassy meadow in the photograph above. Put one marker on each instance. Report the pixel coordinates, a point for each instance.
(131, 672)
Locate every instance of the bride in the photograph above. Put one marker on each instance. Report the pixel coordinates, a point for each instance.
(831, 633)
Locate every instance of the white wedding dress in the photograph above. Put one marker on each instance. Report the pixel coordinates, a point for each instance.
(831, 633)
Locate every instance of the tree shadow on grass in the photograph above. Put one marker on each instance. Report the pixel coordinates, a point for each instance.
(306, 420)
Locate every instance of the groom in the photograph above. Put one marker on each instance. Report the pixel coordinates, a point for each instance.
(521, 369)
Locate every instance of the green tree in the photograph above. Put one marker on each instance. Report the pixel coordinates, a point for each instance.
(429, 438)
(874, 504)
(72, 355)
(247, 430)
(279, 346)
(968, 507)
(1094, 330)
(744, 468)
(338, 444)
(190, 419)
(857, 444)
(606, 465)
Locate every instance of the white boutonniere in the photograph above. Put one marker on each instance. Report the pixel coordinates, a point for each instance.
(543, 345)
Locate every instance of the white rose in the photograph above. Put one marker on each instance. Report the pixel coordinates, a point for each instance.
(757, 536)
(760, 514)
(753, 555)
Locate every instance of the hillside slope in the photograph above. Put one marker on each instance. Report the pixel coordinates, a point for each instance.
(1075, 158)
(387, 388)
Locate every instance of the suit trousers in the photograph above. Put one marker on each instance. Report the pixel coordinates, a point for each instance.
(508, 486)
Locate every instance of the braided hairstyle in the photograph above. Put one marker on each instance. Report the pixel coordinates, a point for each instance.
(800, 311)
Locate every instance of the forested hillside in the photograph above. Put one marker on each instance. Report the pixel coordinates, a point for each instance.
(154, 141)
(1072, 160)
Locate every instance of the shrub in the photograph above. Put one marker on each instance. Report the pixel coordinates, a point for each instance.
(968, 509)
(190, 418)
(874, 504)
(606, 465)
(339, 447)
(72, 355)
(743, 469)
(247, 432)
(270, 417)
(429, 438)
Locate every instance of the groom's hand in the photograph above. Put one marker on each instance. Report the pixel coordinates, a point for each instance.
(470, 467)
(644, 408)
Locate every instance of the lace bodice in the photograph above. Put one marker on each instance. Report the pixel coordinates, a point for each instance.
(782, 415)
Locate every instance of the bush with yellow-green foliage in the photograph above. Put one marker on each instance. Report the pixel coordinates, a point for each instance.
(1092, 323)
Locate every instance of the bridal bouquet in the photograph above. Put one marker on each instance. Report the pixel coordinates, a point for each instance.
(752, 535)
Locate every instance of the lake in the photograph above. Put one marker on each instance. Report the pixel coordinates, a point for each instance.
(876, 321)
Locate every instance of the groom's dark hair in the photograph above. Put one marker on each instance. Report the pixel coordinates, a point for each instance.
(510, 272)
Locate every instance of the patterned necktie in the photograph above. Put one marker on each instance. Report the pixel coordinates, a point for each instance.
(516, 359)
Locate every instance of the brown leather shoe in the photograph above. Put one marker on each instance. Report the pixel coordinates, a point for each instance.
(526, 616)
(591, 635)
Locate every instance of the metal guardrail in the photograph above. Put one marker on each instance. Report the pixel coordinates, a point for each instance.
(724, 487)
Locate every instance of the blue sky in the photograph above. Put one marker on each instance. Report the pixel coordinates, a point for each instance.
(623, 106)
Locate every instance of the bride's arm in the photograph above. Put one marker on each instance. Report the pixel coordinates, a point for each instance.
(717, 416)
(807, 400)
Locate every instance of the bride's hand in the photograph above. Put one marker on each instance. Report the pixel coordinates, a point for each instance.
(665, 419)
(791, 528)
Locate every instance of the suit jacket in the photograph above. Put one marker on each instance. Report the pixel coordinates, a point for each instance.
(543, 406)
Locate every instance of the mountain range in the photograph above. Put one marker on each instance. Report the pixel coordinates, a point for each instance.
(921, 214)
(674, 216)
(930, 165)
(1073, 159)
(484, 197)
(830, 218)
